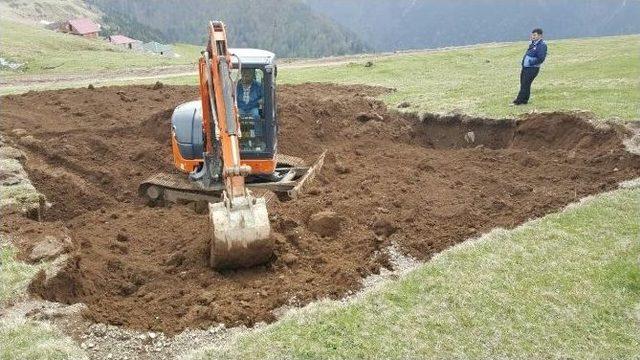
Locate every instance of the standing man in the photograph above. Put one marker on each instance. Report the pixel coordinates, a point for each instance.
(533, 58)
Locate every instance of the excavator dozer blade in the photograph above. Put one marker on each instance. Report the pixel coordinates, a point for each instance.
(241, 233)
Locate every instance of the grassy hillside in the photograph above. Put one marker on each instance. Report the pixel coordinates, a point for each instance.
(563, 287)
(48, 10)
(32, 340)
(597, 74)
(46, 51)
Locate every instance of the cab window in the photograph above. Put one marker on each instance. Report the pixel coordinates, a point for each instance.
(250, 101)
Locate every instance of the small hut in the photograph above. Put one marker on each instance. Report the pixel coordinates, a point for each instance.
(82, 27)
(125, 42)
(157, 48)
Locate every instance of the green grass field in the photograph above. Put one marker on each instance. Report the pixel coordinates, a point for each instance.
(20, 338)
(34, 340)
(597, 74)
(49, 52)
(14, 275)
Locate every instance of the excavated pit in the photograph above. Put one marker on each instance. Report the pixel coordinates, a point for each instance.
(388, 178)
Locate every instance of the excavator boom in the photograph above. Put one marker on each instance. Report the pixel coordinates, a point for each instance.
(241, 229)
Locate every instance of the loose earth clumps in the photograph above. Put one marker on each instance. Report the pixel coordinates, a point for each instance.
(388, 179)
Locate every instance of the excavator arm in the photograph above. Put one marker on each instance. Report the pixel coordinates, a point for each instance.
(241, 230)
(220, 119)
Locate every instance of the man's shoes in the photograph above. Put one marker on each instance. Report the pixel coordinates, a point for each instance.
(516, 103)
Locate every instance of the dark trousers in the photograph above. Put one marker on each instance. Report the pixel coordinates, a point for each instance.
(526, 78)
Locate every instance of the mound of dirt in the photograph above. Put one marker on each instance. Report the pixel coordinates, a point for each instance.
(424, 185)
(325, 223)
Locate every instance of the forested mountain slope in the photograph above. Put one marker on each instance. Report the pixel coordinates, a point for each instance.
(287, 27)
(415, 24)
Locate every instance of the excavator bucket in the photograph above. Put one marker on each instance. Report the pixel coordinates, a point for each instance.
(241, 233)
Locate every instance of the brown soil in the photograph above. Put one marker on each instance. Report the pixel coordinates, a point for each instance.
(425, 185)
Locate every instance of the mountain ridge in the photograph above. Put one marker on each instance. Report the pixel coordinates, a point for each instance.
(411, 24)
(288, 27)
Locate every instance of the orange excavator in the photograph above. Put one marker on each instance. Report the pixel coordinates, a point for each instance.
(228, 153)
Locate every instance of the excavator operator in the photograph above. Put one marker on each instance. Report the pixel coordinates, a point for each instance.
(249, 98)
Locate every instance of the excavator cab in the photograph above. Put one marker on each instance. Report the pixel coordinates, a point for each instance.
(257, 115)
(259, 126)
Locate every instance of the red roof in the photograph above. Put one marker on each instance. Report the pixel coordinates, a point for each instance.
(121, 39)
(84, 26)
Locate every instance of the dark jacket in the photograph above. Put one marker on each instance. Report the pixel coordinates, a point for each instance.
(255, 95)
(535, 55)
